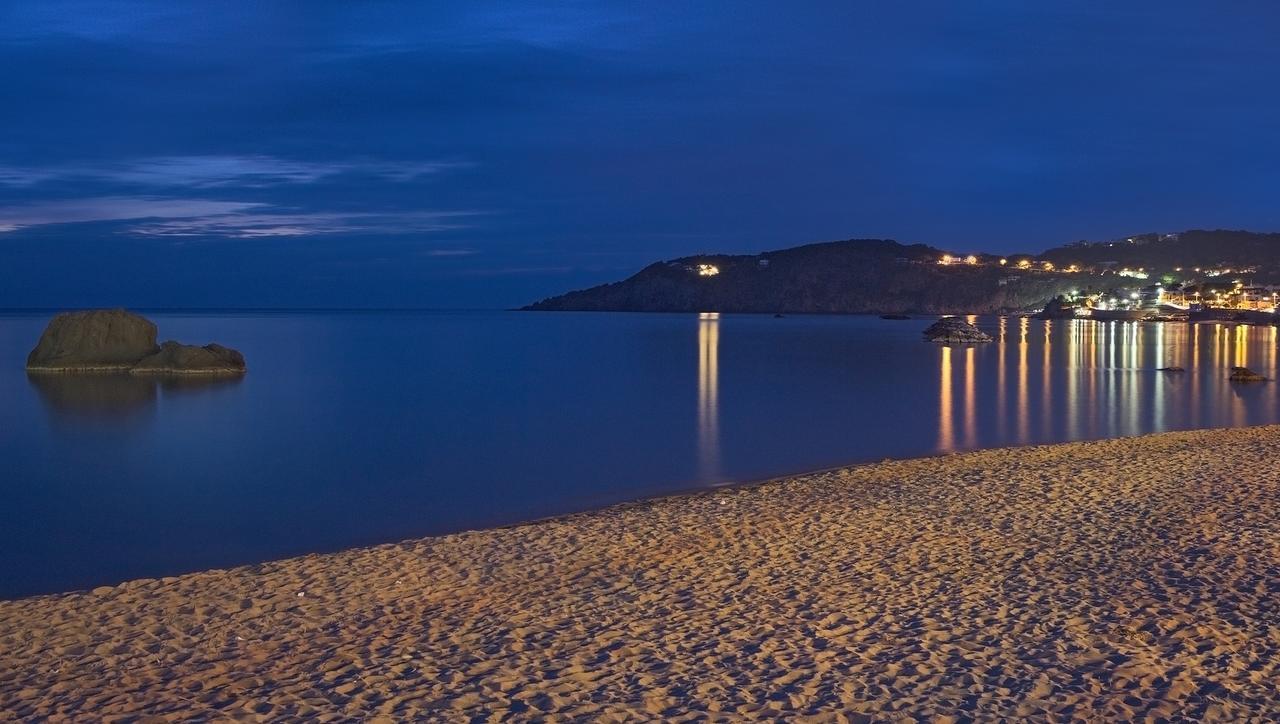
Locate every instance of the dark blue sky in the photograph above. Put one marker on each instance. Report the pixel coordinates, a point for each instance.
(478, 154)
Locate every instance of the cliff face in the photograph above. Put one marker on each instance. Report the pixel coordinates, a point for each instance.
(856, 276)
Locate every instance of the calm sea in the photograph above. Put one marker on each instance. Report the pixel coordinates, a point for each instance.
(354, 428)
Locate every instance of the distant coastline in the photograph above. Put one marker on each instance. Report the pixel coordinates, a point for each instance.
(881, 276)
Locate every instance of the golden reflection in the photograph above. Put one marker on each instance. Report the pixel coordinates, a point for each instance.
(1024, 412)
(708, 394)
(1095, 358)
(970, 397)
(1159, 394)
(1133, 402)
(1195, 375)
(1074, 348)
(1233, 354)
(1111, 344)
(1046, 392)
(1137, 344)
(1001, 412)
(946, 435)
(1096, 379)
(1271, 352)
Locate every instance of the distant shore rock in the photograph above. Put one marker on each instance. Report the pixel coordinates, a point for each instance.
(114, 340)
(1057, 308)
(1171, 369)
(894, 316)
(101, 339)
(1244, 374)
(953, 330)
(175, 358)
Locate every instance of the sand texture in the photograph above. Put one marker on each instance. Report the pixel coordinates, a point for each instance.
(1125, 579)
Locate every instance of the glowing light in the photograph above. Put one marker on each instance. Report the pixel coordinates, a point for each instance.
(1048, 266)
(708, 270)
(947, 259)
(1024, 263)
(971, 259)
(1003, 262)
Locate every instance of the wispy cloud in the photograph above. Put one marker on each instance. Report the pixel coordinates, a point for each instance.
(448, 252)
(280, 223)
(234, 219)
(220, 171)
(115, 208)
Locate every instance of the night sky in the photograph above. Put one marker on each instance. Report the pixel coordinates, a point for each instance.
(477, 154)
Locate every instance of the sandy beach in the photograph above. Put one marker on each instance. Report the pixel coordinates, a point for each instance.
(1125, 579)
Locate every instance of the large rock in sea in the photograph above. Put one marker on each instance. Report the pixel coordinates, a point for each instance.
(103, 339)
(116, 340)
(954, 330)
(175, 358)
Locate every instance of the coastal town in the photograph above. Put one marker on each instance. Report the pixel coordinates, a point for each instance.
(1110, 292)
(1150, 277)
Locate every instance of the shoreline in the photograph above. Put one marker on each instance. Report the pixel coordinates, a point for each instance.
(600, 506)
(864, 588)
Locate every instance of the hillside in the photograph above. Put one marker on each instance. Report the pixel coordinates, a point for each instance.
(883, 276)
(1179, 253)
(854, 276)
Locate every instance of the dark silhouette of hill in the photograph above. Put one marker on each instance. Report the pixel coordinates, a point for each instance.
(1185, 250)
(882, 276)
(855, 276)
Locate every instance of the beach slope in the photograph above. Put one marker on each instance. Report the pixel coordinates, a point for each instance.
(1116, 579)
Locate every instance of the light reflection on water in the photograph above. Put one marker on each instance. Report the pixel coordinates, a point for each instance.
(708, 395)
(1089, 379)
(362, 428)
(1101, 380)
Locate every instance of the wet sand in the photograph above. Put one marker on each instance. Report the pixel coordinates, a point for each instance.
(1120, 579)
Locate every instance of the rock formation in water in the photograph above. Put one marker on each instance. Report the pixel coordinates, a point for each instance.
(103, 340)
(1057, 308)
(190, 359)
(953, 330)
(1244, 374)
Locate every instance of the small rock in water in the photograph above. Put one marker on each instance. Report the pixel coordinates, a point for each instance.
(1171, 369)
(187, 358)
(954, 330)
(1244, 374)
